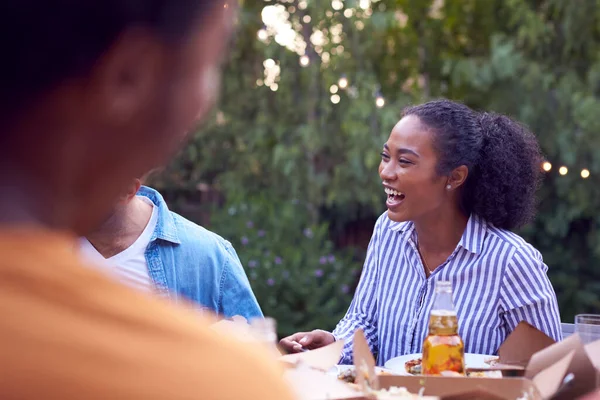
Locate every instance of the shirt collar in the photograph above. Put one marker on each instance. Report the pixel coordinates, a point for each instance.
(165, 225)
(472, 237)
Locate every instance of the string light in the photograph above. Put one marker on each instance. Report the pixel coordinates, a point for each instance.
(304, 60)
(379, 100)
(262, 34)
(546, 166)
(269, 63)
(380, 103)
(337, 5)
(563, 170)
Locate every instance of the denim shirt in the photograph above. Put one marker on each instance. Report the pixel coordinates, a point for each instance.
(187, 261)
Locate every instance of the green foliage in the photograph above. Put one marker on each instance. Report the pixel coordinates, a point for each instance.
(544, 72)
(538, 61)
(298, 277)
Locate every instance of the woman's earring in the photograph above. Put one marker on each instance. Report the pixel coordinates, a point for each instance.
(448, 187)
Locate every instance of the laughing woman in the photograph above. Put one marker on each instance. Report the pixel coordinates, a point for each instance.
(457, 181)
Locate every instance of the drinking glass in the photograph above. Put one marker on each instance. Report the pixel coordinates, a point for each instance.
(265, 329)
(588, 327)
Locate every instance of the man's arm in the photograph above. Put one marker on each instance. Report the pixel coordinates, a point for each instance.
(235, 294)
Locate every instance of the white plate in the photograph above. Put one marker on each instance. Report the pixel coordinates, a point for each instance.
(338, 369)
(471, 361)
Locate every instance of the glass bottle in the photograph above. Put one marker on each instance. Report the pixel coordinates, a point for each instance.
(264, 331)
(443, 349)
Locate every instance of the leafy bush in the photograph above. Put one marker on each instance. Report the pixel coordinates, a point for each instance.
(294, 271)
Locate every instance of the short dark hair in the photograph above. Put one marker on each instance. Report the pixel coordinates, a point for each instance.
(503, 157)
(45, 42)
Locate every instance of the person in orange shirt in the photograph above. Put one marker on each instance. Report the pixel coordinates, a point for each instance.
(93, 93)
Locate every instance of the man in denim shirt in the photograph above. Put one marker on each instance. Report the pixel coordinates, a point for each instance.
(150, 248)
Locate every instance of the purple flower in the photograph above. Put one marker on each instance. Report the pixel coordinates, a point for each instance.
(270, 281)
(245, 240)
(331, 258)
(308, 233)
(252, 264)
(345, 289)
(250, 224)
(278, 260)
(323, 260)
(319, 273)
(260, 233)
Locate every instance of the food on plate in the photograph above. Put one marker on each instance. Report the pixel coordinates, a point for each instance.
(413, 366)
(491, 361)
(395, 393)
(349, 375)
(484, 374)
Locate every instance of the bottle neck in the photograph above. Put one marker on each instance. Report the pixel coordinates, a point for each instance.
(443, 323)
(443, 301)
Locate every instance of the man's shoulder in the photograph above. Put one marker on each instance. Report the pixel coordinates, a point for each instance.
(179, 341)
(196, 236)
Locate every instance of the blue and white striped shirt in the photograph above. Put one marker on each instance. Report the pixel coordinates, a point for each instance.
(497, 278)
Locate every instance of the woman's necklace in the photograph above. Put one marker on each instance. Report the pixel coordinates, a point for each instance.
(423, 260)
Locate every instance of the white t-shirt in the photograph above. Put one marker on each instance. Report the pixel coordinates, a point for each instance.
(129, 266)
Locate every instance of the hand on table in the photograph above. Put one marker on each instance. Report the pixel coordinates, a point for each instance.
(302, 341)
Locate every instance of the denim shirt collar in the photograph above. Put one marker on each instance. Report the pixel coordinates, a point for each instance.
(165, 225)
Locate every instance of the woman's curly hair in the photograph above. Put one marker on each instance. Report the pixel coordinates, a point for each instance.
(503, 158)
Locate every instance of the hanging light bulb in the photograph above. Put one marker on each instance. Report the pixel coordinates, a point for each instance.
(262, 35)
(546, 166)
(335, 98)
(585, 173)
(269, 63)
(379, 101)
(304, 60)
(563, 170)
(343, 82)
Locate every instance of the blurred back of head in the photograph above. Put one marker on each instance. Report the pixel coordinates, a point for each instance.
(97, 91)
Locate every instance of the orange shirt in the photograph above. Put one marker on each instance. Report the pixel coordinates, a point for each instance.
(68, 332)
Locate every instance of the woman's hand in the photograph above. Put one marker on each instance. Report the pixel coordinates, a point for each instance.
(306, 341)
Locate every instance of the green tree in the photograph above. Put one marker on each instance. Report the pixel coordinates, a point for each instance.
(313, 87)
